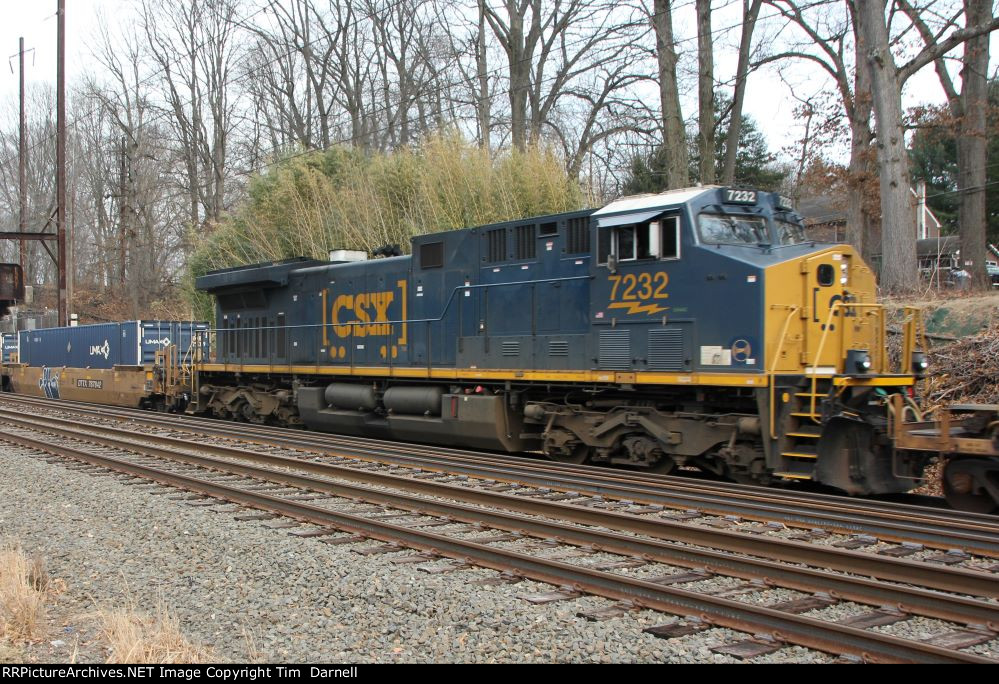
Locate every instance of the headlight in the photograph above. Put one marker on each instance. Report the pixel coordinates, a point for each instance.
(919, 364)
(844, 274)
(858, 361)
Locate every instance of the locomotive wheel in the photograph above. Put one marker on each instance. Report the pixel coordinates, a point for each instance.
(962, 492)
(578, 455)
(664, 466)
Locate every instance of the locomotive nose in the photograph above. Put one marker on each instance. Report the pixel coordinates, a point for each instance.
(821, 310)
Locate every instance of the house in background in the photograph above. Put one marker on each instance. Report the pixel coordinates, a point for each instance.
(825, 217)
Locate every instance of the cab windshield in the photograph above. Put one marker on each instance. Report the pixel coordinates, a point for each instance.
(790, 233)
(732, 230)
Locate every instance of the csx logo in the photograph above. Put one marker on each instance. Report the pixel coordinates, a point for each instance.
(370, 307)
(365, 315)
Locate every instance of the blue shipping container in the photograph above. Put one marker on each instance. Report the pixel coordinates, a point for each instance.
(105, 345)
(9, 346)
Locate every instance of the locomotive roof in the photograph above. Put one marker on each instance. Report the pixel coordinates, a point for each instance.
(663, 199)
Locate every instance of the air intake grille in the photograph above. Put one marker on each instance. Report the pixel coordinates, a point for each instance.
(526, 242)
(578, 238)
(666, 349)
(615, 349)
(497, 245)
(511, 348)
(558, 348)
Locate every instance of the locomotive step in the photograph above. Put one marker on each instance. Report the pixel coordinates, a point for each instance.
(793, 476)
(799, 454)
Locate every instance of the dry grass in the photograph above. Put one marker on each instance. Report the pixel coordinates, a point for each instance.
(11, 654)
(24, 590)
(134, 637)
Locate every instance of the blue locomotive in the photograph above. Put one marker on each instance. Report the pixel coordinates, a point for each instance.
(698, 327)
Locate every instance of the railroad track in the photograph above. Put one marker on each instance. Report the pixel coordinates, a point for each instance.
(818, 516)
(643, 559)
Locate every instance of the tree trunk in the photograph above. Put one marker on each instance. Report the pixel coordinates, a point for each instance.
(482, 71)
(750, 12)
(858, 218)
(705, 94)
(971, 145)
(520, 78)
(674, 134)
(898, 235)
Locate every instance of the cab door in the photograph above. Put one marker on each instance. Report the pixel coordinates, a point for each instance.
(824, 296)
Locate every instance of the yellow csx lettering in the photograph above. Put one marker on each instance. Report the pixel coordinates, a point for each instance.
(369, 309)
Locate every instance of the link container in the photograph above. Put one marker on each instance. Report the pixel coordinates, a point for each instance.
(105, 345)
(9, 341)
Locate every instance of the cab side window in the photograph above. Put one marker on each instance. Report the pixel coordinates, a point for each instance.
(659, 239)
(669, 236)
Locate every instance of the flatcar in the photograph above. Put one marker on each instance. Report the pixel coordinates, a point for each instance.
(141, 364)
(697, 327)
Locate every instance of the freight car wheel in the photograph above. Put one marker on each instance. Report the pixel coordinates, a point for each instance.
(963, 491)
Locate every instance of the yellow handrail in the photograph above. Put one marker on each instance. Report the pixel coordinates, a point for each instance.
(822, 342)
(773, 369)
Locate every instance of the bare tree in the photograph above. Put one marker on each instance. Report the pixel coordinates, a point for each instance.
(674, 132)
(898, 269)
(705, 94)
(968, 108)
(833, 45)
(192, 45)
(750, 13)
(578, 50)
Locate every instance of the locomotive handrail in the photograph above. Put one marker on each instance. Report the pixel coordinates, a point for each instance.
(393, 323)
(878, 311)
(407, 320)
(773, 369)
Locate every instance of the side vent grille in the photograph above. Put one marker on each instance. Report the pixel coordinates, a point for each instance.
(497, 245)
(666, 349)
(511, 348)
(526, 242)
(558, 348)
(578, 238)
(615, 349)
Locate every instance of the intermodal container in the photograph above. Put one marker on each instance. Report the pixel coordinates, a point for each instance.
(105, 345)
(9, 343)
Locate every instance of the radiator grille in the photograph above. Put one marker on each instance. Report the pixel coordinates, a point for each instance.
(615, 349)
(558, 348)
(511, 348)
(666, 349)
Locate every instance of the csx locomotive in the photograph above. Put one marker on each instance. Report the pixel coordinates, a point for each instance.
(698, 327)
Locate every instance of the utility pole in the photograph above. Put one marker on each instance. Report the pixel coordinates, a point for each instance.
(22, 161)
(61, 160)
(22, 235)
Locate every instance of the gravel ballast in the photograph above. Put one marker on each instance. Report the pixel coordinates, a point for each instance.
(252, 592)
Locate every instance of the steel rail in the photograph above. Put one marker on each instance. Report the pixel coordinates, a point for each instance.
(744, 617)
(600, 474)
(904, 523)
(942, 578)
